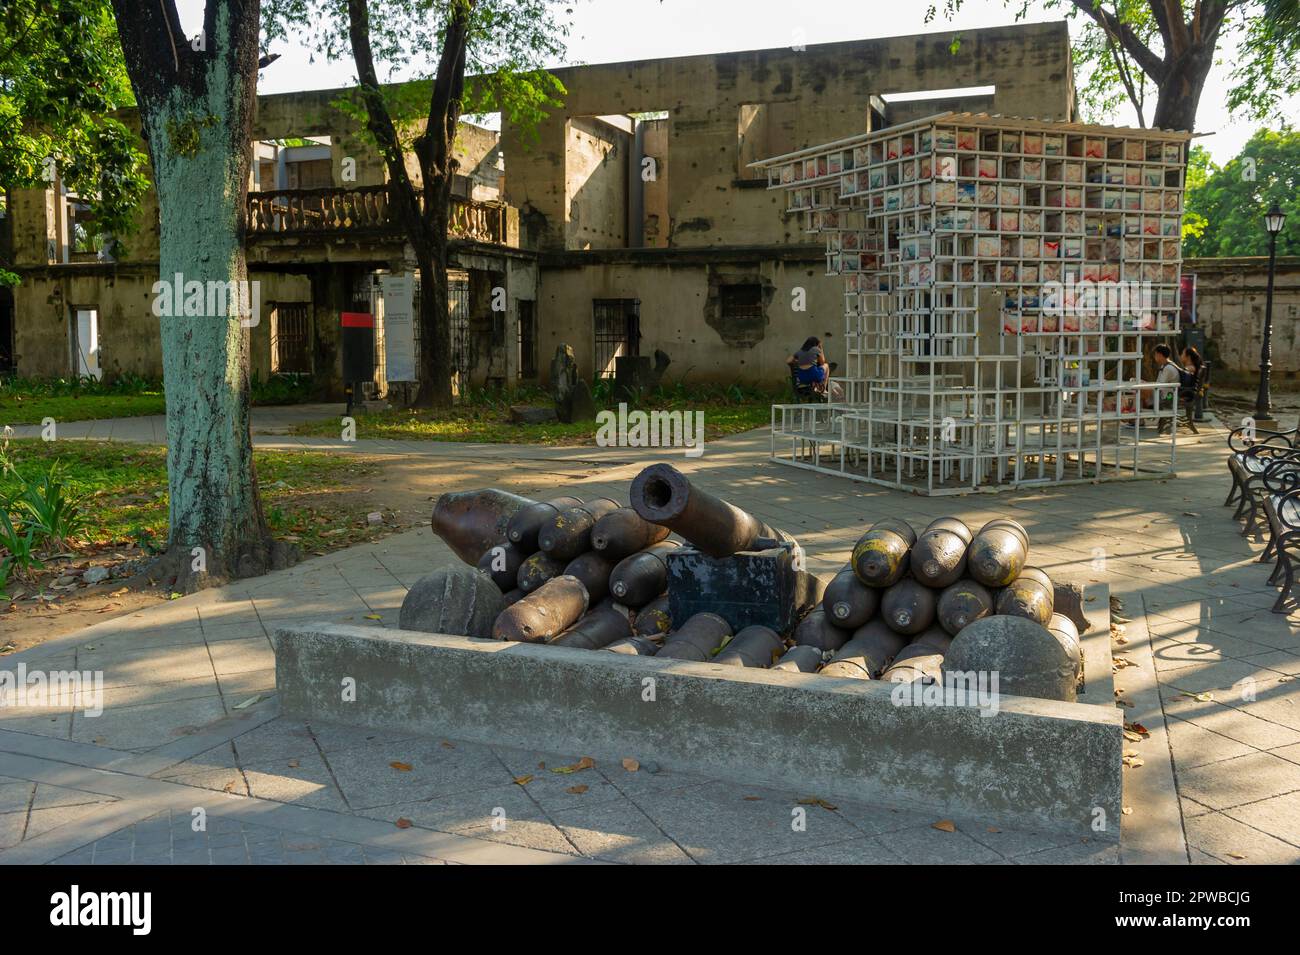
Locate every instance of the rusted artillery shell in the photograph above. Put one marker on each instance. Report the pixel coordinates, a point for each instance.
(916, 661)
(802, 659)
(1067, 634)
(513, 596)
(939, 554)
(934, 637)
(865, 657)
(696, 639)
(635, 646)
(881, 555)
(998, 553)
(639, 579)
(593, 570)
(654, 619)
(623, 532)
(908, 607)
(537, 570)
(754, 646)
(528, 521)
(848, 602)
(816, 630)
(963, 603)
(1029, 660)
(662, 495)
(568, 533)
(501, 563)
(1029, 595)
(453, 600)
(613, 606)
(472, 521)
(543, 614)
(594, 631)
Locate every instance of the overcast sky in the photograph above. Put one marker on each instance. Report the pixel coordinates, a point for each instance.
(607, 31)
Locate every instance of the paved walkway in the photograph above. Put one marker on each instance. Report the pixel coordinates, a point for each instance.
(190, 727)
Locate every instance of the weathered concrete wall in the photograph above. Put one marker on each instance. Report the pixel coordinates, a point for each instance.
(680, 309)
(595, 184)
(1230, 299)
(654, 191)
(1033, 762)
(1028, 64)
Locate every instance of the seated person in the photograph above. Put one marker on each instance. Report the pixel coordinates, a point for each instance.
(809, 364)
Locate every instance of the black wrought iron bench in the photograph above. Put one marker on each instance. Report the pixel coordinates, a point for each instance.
(1282, 509)
(1243, 466)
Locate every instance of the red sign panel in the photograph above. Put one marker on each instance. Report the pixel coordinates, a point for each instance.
(358, 320)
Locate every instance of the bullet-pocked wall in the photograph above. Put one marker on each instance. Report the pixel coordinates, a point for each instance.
(730, 318)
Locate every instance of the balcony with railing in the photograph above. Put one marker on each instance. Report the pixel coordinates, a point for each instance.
(361, 212)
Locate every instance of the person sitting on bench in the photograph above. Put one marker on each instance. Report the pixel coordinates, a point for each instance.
(810, 367)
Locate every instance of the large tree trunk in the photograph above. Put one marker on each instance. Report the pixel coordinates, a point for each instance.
(435, 323)
(196, 113)
(1180, 91)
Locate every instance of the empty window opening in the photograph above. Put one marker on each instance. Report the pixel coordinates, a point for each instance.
(527, 341)
(85, 342)
(291, 338)
(617, 332)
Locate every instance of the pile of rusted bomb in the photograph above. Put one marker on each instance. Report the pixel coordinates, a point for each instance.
(907, 604)
(590, 575)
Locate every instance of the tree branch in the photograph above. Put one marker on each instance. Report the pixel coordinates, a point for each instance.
(378, 120)
(1151, 64)
(444, 108)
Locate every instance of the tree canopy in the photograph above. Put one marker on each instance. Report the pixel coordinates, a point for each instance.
(1225, 205)
(61, 78)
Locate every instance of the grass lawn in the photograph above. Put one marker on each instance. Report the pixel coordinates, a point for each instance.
(17, 409)
(306, 494)
(487, 419)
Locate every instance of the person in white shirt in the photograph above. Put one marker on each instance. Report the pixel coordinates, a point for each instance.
(1168, 372)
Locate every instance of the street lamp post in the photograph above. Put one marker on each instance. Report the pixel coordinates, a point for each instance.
(1274, 219)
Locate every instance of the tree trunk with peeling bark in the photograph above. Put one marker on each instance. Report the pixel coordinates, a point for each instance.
(196, 103)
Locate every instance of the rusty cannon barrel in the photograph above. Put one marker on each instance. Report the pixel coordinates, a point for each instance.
(1030, 596)
(536, 570)
(662, 495)
(472, 521)
(594, 631)
(848, 602)
(939, 554)
(881, 555)
(523, 528)
(754, 646)
(963, 603)
(916, 661)
(998, 553)
(635, 646)
(908, 607)
(501, 563)
(696, 639)
(593, 570)
(654, 619)
(623, 532)
(866, 656)
(817, 630)
(545, 613)
(639, 579)
(800, 659)
(568, 533)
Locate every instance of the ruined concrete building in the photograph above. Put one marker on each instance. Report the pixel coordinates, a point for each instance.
(630, 222)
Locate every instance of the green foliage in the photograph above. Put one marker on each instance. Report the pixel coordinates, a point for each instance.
(61, 78)
(46, 506)
(1266, 34)
(508, 43)
(282, 389)
(186, 137)
(1225, 209)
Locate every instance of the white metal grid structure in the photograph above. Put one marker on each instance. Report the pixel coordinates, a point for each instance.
(1003, 281)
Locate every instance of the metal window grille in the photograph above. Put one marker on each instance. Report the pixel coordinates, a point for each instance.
(527, 339)
(617, 331)
(291, 338)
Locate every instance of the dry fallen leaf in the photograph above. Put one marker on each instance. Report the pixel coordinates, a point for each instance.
(1127, 810)
(293, 764)
(994, 829)
(752, 798)
(446, 745)
(577, 790)
(403, 823)
(1236, 855)
(522, 780)
(1133, 762)
(630, 764)
(814, 801)
(944, 825)
(401, 767)
(585, 763)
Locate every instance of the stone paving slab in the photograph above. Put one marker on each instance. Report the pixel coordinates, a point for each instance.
(188, 677)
